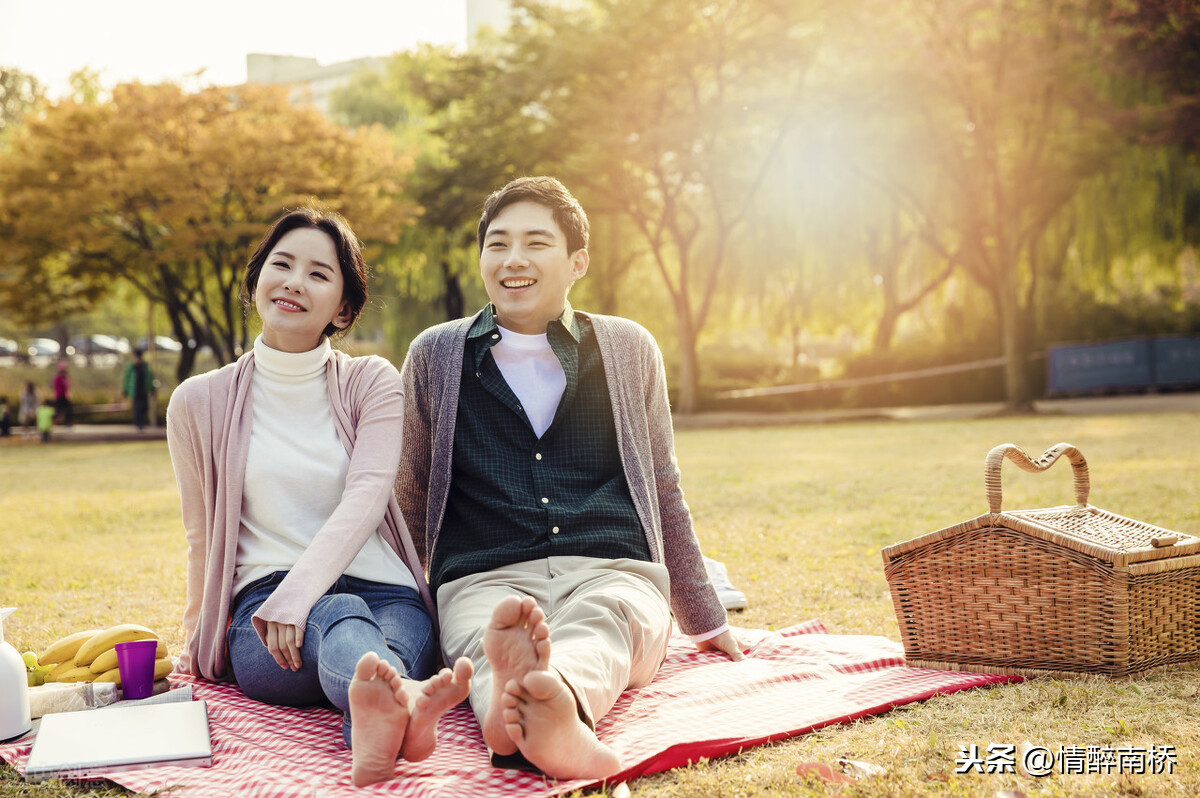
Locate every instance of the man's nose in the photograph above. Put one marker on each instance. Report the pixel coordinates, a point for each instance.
(516, 257)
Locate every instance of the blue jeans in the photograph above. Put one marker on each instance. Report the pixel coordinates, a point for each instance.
(353, 617)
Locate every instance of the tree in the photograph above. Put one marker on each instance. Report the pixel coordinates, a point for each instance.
(670, 116)
(459, 112)
(1011, 127)
(1161, 39)
(19, 92)
(169, 191)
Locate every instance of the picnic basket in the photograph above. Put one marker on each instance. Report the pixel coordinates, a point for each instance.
(1056, 591)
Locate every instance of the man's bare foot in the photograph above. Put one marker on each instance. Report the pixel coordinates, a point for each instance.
(516, 642)
(542, 718)
(379, 718)
(437, 694)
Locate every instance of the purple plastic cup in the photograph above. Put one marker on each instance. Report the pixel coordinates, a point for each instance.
(136, 662)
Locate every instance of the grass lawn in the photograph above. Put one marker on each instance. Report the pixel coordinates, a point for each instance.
(90, 536)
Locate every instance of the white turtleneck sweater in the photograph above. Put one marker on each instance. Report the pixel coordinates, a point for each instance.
(296, 471)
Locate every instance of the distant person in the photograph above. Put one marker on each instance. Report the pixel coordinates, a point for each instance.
(303, 584)
(63, 409)
(6, 422)
(27, 412)
(136, 385)
(540, 482)
(45, 419)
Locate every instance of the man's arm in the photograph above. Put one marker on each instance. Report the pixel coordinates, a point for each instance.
(693, 599)
(412, 480)
(727, 642)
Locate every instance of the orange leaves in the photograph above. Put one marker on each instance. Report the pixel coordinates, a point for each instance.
(168, 190)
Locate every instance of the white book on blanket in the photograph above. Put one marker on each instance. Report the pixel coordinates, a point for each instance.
(85, 745)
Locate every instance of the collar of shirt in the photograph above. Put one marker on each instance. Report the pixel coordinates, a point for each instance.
(559, 331)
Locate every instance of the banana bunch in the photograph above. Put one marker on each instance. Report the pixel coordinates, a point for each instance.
(91, 655)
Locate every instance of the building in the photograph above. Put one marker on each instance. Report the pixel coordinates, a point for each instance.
(493, 14)
(311, 81)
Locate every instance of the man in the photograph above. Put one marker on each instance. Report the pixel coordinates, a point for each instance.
(136, 384)
(539, 481)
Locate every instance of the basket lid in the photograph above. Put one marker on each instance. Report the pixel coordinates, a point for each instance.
(1115, 536)
(1110, 535)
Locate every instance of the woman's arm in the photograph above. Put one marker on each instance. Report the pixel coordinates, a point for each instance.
(186, 462)
(377, 403)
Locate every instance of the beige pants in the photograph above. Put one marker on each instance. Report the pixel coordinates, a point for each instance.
(609, 620)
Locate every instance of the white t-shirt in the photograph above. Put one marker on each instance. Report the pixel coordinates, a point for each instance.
(296, 471)
(533, 371)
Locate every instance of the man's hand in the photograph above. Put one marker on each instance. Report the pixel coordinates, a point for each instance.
(284, 642)
(724, 642)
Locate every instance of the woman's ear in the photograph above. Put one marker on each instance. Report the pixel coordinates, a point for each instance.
(344, 315)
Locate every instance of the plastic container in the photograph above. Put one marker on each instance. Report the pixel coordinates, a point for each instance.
(14, 688)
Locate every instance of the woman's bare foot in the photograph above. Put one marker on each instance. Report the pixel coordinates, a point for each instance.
(516, 642)
(437, 694)
(379, 715)
(542, 718)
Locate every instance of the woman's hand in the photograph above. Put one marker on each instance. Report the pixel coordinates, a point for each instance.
(284, 641)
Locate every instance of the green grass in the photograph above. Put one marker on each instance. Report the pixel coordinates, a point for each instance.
(90, 536)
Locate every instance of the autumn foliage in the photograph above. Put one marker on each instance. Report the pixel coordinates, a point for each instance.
(169, 191)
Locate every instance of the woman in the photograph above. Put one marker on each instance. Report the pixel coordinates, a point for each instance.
(27, 412)
(300, 566)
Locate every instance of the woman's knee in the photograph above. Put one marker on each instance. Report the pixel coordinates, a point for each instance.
(333, 609)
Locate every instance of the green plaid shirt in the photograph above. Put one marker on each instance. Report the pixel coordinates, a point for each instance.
(516, 497)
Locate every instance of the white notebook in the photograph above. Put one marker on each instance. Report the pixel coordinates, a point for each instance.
(88, 744)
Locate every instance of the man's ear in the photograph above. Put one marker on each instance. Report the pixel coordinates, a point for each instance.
(579, 263)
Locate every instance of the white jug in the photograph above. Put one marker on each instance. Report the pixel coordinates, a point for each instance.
(14, 688)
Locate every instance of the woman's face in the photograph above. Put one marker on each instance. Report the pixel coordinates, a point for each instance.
(299, 291)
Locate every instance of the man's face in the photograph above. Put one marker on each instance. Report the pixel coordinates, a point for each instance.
(526, 267)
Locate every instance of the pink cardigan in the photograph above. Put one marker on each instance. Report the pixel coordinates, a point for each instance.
(208, 433)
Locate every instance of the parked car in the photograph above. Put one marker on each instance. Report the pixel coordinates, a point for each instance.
(41, 352)
(97, 350)
(10, 351)
(161, 343)
(88, 345)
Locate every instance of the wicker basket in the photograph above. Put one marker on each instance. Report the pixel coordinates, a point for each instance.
(1058, 591)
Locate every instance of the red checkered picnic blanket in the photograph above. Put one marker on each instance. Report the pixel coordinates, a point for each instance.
(699, 705)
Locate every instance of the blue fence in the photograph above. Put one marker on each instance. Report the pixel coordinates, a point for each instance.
(1141, 364)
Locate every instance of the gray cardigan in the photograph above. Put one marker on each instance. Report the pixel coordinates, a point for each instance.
(637, 384)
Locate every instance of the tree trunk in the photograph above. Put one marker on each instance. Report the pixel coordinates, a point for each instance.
(1017, 393)
(886, 328)
(187, 362)
(689, 367)
(452, 299)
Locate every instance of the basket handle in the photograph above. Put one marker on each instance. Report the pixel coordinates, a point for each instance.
(995, 458)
